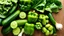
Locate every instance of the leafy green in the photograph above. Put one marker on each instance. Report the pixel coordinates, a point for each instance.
(25, 5)
(41, 6)
(47, 5)
(59, 4)
(6, 5)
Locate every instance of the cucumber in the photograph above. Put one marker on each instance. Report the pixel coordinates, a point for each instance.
(6, 30)
(8, 20)
(16, 31)
(21, 22)
(0, 21)
(13, 25)
(17, 23)
(52, 20)
(54, 30)
(22, 15)
(12, 9)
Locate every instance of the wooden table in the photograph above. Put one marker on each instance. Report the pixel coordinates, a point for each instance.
(58, 17)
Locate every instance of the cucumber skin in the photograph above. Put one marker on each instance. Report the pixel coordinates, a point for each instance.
(21, 22)
(0, 21)
(12, 10)
(10, 18)
(51, 19)
(6, 30)
(54, 30)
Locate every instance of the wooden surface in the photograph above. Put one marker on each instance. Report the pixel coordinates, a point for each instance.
(58, 17)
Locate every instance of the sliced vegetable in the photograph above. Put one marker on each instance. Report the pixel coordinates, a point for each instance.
(38, 25)
(29, 29)
(10, 18)
(6, 30)
(22, 15)
(13, 25)
(16, 31)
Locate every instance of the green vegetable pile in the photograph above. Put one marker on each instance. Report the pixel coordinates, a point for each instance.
(29, 15)
(6, 6)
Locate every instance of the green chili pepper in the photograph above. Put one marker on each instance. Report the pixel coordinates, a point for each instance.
(32, 17)
(29, 29)
(38, 25)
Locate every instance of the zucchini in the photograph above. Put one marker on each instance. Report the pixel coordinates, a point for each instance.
(16, 31)
(6, 30)
(17, 23)
(52, 20)
(21, 22)
(10, 18)
(12, 9)
(0, 21)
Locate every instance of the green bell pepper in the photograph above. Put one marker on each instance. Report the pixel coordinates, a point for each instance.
(38, 25)
(43, 19)
(29, 29)
(44, 30)
(32, 17)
